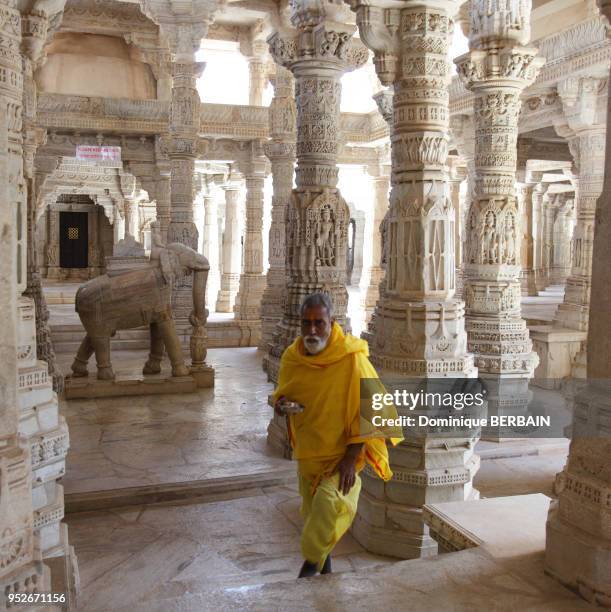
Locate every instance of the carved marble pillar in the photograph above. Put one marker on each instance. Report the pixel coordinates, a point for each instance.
(231, 264)
(578, 545)
(462, 132)
(131, 217)
(281, 153)
(184, 126)
(252, 280)
(33, 436)
(457, 176)
(118, 226)
(93, 247)
(318, 52)
(497, 69)
(528, 225)
(417, 329)
(257, 72)
(562, 230)
(182, 150)
(162, 202)
(583, 103)
(539, 208)
(211, 246)
(372, 279)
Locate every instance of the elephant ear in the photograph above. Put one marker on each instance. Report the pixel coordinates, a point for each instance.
(165, 259)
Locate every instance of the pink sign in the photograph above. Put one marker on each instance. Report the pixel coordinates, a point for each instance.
(97, 153)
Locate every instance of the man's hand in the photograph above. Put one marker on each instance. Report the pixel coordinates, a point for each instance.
(278, 409)
(347, 468)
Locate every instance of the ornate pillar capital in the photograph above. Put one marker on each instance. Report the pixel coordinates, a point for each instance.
(384, 101)
(583, 104)
(325, 47)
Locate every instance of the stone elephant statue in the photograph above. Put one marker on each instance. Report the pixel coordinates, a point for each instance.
(135, 298)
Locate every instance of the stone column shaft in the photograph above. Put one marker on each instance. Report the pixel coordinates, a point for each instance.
(372, 281)
(252, 280)
(281, 152)
(257, 71)
(527, 256)
(589, 147)
(231, 265)
(211, 246)
(318, 53)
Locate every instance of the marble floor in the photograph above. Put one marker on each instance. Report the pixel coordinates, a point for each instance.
(152, 440)
(237, 547)
(185, 556)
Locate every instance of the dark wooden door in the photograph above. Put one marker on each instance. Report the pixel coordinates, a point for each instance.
(73, 240)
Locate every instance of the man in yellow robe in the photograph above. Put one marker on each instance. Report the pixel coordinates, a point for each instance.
(329, 374)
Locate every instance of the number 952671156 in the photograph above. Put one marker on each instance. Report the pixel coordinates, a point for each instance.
(33, 599)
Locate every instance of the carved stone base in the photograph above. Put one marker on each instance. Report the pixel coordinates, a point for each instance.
(502, 346)
(87, 388)
(578, 560)
(230, 283)
(389, 517)
(575, 310)
(248, 299)
(204, 376)
(423, 339)
(64, 571)
(528, 283)
(578, 551)
(557, 348)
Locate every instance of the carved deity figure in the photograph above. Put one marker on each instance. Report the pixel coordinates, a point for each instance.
(510, 240)
(489, 240)
(52, 254)
(325, 239)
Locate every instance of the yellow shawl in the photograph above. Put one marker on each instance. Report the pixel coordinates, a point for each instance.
(337, 404)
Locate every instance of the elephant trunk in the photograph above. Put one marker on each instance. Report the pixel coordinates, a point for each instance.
(198, 319)
(200, 278)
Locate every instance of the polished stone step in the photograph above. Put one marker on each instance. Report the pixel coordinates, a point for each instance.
(194, 491)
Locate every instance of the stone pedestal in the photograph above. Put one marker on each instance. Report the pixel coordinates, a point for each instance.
(578, 550)
(557, 349)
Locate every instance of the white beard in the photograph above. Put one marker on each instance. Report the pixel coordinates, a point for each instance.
(313, 348)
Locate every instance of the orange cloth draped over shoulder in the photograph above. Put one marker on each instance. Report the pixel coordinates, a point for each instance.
(335, 387)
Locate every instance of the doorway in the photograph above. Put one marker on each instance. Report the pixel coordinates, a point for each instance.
(73, 239)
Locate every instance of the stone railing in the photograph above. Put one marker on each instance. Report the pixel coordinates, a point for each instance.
(226, 121)
(242, 122)
(58, 111)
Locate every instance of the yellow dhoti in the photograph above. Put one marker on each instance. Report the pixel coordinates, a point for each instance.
(327, 515)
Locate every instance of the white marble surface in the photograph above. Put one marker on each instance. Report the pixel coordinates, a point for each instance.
(151, 440)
